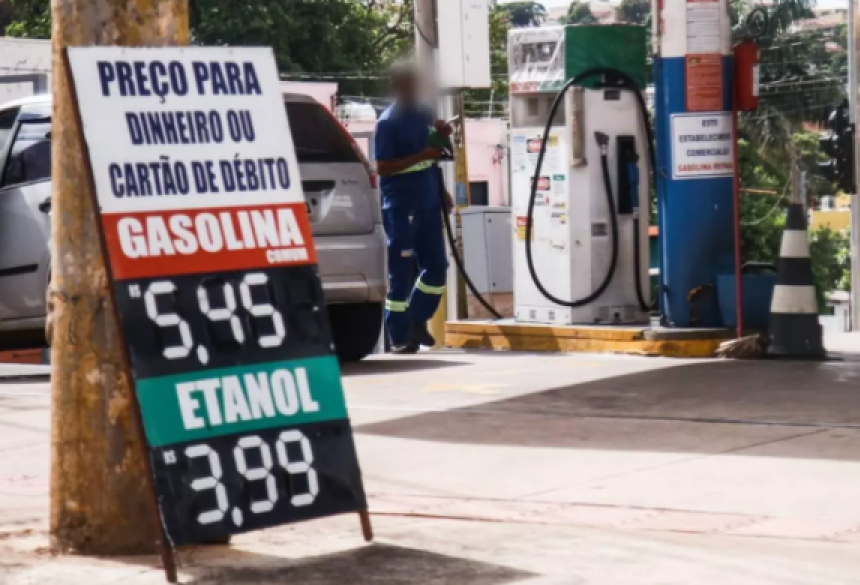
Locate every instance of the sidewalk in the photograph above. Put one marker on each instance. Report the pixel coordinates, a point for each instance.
(843, 342)
(496, 468)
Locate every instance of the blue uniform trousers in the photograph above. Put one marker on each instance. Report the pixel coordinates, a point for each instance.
(414, 237)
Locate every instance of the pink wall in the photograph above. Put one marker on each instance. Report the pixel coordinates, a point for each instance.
(486, 148)
(486, 161)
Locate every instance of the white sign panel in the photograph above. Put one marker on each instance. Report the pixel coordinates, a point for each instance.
(179, 128)
(464, 43)
(703, 26)
(702, 145)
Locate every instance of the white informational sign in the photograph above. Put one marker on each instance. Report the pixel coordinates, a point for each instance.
(703, 26)
(464, 44)
(179, 128)
(702, 145)
(525, 148)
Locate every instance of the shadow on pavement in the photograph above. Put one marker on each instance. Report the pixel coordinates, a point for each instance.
(664, 410)
(376, 564)
(395, 365)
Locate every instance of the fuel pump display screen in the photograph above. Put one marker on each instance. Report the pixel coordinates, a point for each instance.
(214, 278)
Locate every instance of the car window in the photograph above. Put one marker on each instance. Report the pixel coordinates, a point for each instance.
(30, 158)
(7, 122)
(318, 136)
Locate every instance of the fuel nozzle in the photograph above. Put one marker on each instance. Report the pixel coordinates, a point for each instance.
(628, 174)
(602, 141)
(441, 142)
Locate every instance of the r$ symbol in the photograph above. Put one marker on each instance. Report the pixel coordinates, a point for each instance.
(169, 457)
(134, 291)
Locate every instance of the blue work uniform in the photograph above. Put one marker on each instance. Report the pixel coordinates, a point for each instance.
(412, 216)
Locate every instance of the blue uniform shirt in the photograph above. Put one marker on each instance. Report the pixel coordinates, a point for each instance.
(402, 132)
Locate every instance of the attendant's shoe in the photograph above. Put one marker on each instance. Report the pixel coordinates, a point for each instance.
(405, 349)
(422, 337)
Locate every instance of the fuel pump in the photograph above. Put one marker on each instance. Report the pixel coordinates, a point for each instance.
(581, 154)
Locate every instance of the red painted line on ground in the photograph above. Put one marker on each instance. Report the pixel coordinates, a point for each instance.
(616, 517)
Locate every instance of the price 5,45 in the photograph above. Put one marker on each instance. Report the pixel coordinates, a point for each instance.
(266, 321)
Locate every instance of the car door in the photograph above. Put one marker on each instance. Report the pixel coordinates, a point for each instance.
(25, 186)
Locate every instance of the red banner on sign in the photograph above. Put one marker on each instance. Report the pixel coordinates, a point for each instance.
(193, 241)
(704, 83)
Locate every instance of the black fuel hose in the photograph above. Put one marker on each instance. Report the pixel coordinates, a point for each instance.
(452, 242)
(637, 267)
(629, 84)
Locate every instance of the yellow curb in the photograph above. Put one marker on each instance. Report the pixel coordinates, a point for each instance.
(513, 340)
(603, 333)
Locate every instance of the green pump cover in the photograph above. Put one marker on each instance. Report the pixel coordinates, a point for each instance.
(617, 46)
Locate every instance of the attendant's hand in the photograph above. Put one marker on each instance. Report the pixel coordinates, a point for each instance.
(443, 128)
(431, 153)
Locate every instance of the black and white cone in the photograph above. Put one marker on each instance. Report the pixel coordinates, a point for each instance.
(794, 327)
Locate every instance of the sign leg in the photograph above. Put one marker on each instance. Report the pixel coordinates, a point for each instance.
(366, 528)
(168, 559)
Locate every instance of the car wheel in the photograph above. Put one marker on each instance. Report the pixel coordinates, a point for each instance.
(355, 329)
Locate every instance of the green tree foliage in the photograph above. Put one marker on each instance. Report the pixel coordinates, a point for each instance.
(314, 35)
(810, 154)
(831, 264)
(319, 36)
(480, 102)
(634, 12)
(800, 78)
(800, 81)
(578, 13)
(763, 216)
(522, 14)
(27, 18)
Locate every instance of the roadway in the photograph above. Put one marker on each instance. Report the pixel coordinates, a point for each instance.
(486, 468)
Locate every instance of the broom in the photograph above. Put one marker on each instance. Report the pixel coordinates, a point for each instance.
(743, 348)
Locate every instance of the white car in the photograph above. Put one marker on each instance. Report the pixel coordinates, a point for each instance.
(340, 189)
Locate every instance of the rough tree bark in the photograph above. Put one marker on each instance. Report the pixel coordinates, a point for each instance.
(99, 498)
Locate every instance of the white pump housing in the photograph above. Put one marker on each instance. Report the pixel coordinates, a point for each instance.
(572, 231)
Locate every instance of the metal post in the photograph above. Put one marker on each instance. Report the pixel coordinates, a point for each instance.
(463, 198)
(855, 205)
(426, 43)
(693, 87)
(100, 498)
(804, 197)
(453, 304)
(798, 189)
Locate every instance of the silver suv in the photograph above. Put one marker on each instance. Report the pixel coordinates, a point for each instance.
(340, 190)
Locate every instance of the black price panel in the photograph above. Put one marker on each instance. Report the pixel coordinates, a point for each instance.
(241, 400)
(215, 283)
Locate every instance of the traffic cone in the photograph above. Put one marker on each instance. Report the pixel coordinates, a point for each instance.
(794, 327)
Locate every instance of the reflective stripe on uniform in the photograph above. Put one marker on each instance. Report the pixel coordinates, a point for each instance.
(423, 165)
(430, 290)
(396, 306)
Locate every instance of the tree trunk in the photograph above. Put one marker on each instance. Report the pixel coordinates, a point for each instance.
(100, 502)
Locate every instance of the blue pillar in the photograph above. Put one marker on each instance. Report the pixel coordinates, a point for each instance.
(692, 101)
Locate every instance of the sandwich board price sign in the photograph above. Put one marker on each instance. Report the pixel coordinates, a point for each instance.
(213, 273)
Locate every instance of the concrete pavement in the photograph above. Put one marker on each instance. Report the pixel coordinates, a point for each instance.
(843, 342)
(537, 469)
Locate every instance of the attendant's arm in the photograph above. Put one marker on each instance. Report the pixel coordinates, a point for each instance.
(387, 161)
